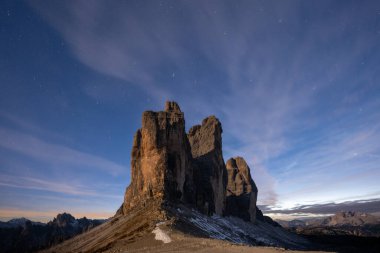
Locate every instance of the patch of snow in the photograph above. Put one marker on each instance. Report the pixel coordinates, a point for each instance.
(239, 231)
(160, 223)
(160, 235)
(209, 228)
(215, 228)
(223, 221)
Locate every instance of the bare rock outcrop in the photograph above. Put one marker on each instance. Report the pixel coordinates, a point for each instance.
(161, 162)
(170, 166)
(210, 175)
(241, 190)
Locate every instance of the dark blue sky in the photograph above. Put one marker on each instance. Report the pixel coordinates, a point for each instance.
(296, 85)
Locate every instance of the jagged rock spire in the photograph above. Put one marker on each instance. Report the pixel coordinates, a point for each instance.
(171, 106)
(241, 190)
(169, 165)
(210, 175)
(161, 163)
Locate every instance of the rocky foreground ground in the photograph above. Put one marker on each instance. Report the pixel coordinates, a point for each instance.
(177, 227)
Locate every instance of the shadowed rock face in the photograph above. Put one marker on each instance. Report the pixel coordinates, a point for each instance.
(161, 164)
(169, 165)
(210, 175)
(241, 190)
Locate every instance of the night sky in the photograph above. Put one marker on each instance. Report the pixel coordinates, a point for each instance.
(296, 85)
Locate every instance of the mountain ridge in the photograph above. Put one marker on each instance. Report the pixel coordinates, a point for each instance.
(24, 235)
(341, 223)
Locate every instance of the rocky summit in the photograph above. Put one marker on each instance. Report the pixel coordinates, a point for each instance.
(181, 189)
(210, 175)
(172, 166)
(241, 190)
(161, 161)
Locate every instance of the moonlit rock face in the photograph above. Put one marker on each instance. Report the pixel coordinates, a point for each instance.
(171, 106)
(170, 166)
(241, 190)
(161, 163)
(210, 175)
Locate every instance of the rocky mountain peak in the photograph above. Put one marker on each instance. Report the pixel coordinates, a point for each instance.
(161, 163)
(241, 190)
(64, 219)
(206, 137)
(351, 218)
(171, 106)
(240, 180)
(170, 166)
(210, 173)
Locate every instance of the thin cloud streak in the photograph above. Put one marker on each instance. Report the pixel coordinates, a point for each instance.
(368, 206)
(115, 53)
(30, 127)
(50, 186)
(344, 157)
(54, 153)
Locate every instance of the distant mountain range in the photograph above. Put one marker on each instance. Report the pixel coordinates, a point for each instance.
(342, 223)
(23, 235)
(19, 222)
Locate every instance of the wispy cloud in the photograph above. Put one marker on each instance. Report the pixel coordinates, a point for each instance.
(274, 72)
(326, 209)
(335, 161)
(51, 185)
(131, 51)
(54, 154)
(25, 125)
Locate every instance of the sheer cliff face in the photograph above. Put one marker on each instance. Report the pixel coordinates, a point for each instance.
(210, 175)
(161, 159)
(241, 190)
(168, 165)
